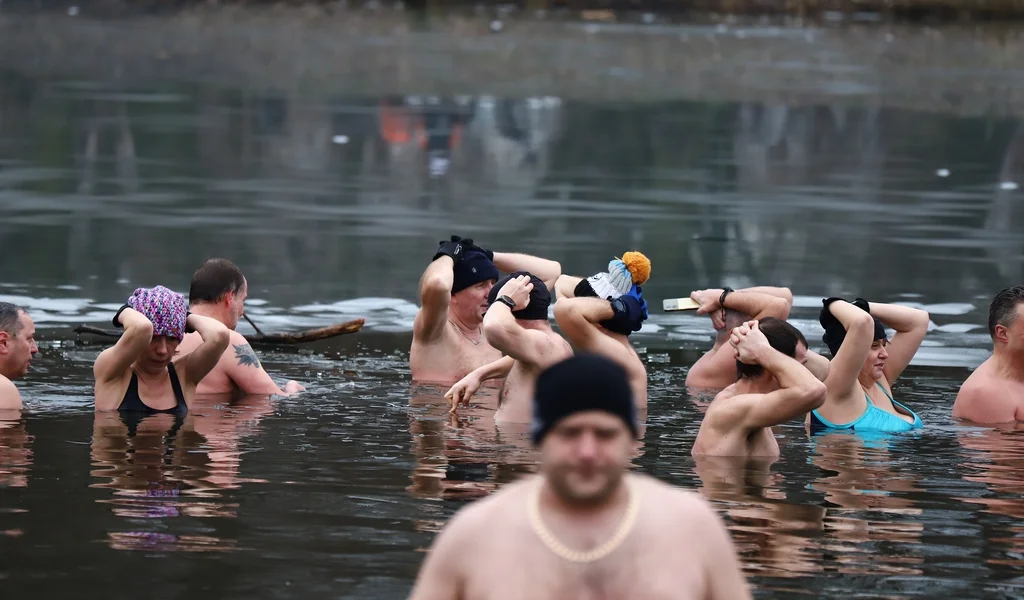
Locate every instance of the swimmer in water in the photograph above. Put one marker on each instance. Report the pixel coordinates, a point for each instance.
(610, 306)
(218, 290)
(865, 364)
(994, 392)
(517, 324)
(585, 526)
(447, 337)
(773, 387)
(141, 373)
(599, 313)
(17, 349)
(728, 310)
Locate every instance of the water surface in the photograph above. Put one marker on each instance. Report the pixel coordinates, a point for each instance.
(332, 205)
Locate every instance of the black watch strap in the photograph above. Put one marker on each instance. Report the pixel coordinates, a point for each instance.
(725, 292)
(507, 301)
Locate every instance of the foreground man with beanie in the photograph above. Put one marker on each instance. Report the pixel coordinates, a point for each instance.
(584, 527)
(517, 324)
(447, 336)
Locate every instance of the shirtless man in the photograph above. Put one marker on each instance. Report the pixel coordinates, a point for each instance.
(447, 336)
(584, 527)
(729, 309)
(17, 348)
(773, 387)
(599, 323)
(517, 325)
(218, 291)
(994, 392)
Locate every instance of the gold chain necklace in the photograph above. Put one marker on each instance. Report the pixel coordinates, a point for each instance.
(474, 342)
(576, 556)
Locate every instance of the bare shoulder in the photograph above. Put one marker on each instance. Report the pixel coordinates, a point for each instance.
(678, 508)
(480, 519)
(10, 397)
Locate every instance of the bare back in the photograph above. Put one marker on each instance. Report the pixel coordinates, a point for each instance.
(515, 403)
(677, 549)
(722, 432)
(989, 397)
(450, 357)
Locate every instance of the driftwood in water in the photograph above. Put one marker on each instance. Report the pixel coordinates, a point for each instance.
(298, 337)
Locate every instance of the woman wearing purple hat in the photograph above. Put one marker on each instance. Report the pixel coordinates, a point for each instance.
(141, 373)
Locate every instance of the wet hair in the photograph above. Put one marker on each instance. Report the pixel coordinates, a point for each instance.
(1003, 309)
(10, 317)
(215, 278)
(782, 336)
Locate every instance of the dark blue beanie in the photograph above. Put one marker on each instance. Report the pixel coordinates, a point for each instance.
(540, 298)
(473, 268)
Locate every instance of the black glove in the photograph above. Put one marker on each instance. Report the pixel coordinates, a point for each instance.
(862, 304)
(630, 313)
(825, 317)
(454, 248)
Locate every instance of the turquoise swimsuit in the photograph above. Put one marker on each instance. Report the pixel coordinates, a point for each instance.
(873, 419)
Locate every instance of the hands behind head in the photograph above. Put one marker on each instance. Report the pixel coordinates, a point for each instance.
(748, 342)
(518, 289)
(709, 305)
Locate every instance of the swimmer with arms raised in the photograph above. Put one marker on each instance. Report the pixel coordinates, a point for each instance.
(517, 324)
(865, 364)
(447, 337)
(597, 314)
(994, 392)
(141, 373)
(584, 527)
(773, 387)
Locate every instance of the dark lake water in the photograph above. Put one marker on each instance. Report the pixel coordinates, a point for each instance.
(332, 206)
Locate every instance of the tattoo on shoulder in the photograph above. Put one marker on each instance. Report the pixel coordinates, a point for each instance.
(246, 355)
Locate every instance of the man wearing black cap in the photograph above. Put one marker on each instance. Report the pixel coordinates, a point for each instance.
(517, 324)
(447, 337)
(584, 527)
(773, 387)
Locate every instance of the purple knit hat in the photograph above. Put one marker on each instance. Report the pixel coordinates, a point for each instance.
(167, 310)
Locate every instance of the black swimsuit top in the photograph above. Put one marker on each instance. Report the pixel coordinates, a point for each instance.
(133, 403)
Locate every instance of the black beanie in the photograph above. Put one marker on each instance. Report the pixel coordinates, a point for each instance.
(540, 298)
(472, 268)
(580, 383)
(835, 333)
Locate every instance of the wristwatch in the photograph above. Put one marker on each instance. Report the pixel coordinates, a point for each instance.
(725, 292)
(508, 302)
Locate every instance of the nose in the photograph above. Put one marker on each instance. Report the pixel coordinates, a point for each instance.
(884, 353)
(587, 447)
(33, 349)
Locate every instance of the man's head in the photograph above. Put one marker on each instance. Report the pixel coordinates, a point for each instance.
(781, 336)
(474, 274)
(585, 424)
(1005, 324)
(17, 340)
(540, 298)
(218, 283)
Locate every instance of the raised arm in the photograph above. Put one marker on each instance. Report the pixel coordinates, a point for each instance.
(911, 325)
(546, 270)
(245, 370)
(504, 333)
(799, 390)
(111, 364)
(203, 359)
(435, 296)
(577, 318)
(849, 360)
(756, 304)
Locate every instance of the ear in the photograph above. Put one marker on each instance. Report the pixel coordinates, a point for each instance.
(1002, 335)
(4, 336)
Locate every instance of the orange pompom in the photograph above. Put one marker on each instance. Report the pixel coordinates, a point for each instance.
(639, 266)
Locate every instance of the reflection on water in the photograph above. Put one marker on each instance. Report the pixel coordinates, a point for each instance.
(163, 466)
(15, 452)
